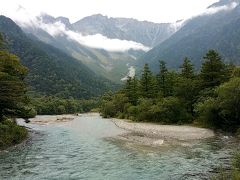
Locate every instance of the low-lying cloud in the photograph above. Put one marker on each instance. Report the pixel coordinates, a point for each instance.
(131, 73)
(94, 41)
(214, 10)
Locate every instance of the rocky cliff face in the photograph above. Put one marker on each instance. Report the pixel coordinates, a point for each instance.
(147, 33)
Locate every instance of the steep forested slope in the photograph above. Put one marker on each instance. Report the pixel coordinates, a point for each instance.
(219, 31)
(51, 71)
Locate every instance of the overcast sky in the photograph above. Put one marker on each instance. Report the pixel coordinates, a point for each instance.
(150, 10)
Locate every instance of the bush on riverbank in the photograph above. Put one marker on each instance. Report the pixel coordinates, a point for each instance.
(51, 105)
(209, 98)
(233, 173)
(11, 134)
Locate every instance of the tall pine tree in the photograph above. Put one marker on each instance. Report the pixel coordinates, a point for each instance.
(213, 70)
(187, 70)
(162, 78)
(186, 88)
(148, 85)
(131, 90)
(12, 86)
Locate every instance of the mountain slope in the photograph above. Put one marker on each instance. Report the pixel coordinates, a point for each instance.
(214, 30)
(51, 71)
(110, 64)
(148, 33)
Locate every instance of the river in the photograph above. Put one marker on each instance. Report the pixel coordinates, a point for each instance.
(83, 149)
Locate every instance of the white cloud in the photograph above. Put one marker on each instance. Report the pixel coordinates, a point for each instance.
(131, 73)
(99, 41)
(214, 10)
(150, 10)
(76, 10)
(93, 41)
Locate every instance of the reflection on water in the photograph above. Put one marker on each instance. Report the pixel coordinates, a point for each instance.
(81, 149)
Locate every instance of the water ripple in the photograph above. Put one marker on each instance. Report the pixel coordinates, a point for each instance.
(81, 150)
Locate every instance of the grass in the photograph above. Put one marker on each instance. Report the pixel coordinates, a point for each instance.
(11, 134)
(233, 174)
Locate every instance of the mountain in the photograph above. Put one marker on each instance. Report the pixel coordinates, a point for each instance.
(148, 33)
(113, 65)
(217, 28)
(133, 36)
(51, 71)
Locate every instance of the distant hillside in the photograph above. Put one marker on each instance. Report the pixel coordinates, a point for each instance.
(148, 33)
(218, 28)
(51, 71)
(111, 65)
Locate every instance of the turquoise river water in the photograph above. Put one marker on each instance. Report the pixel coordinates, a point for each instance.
(82, 149)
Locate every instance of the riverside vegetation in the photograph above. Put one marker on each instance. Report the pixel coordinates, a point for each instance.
(13, 99)
(17, 101)
(209, 98)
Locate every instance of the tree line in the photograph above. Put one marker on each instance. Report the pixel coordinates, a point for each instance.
(210, 97)
(13, 99)
(17, 101)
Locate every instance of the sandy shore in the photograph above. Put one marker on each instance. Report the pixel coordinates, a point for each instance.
(49, 119)
(156, 135)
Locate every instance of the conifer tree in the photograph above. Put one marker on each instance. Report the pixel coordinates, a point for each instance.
(162, 78)
(213, 70)
(131, 89)
(187, 70)
(147, 83)
(12, 86)
(187, 86)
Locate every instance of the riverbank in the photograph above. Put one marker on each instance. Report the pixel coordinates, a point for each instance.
(65, 150)
(11, 134)
(156, 135)
(50, 119)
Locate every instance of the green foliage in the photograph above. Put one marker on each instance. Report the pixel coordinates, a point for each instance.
(233, 173)
(162, 79)
(1, 40)
(236, 72)
(187, 91)
(222, 111)
(198, 35)
(148, 86)
(236, 161)
(207, 112)
(11, 133)
(50, 105)
(113, 106)
(169, 110)
(131, 90)
(187, 86)
(13, 99)
(52, 72)
(143, 110)
(207, 97)
(213, 70)
(187, 70)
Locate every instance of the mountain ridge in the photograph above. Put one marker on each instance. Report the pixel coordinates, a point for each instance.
(118, 28)
(208, 31)
(51, 71)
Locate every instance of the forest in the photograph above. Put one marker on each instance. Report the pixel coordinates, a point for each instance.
(209, 97)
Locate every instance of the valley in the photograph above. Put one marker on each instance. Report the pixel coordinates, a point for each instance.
(120, 90)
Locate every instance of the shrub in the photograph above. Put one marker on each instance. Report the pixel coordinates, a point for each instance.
(108, 110)
(143, 110)
(11, 133)
(169, 110)
(222, 111)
